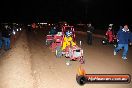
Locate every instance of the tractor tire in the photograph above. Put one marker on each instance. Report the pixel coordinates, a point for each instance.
(81, 80)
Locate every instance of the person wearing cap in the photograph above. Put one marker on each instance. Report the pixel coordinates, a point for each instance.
(53, 31)
(124, 36)
(109, 34)
(6, 34)
(90, 30)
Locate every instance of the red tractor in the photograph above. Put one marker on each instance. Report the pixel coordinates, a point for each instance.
(71, 28)
(50, 38)
(70, 52)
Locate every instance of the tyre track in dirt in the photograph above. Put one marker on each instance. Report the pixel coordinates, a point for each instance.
(15, 66)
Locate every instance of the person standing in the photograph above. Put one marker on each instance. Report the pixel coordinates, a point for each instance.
(123, 39)
(109, 35)
(90, 30)
(53, 31)
(6, 37)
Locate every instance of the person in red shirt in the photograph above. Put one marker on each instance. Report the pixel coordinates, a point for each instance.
(109, 34)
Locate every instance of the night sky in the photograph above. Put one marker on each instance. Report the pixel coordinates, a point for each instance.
(97, 11)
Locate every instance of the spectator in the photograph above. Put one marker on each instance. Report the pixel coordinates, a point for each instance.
(90, 30)
(109, 35)
(124, 36)
(6, 36)
(53, 31)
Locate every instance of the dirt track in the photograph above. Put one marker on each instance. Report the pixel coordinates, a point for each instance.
(32, 65)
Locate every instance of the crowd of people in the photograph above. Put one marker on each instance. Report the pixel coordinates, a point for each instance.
(123, 38)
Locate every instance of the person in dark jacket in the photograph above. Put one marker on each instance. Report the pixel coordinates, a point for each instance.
(6, 36)
(90, 30)
(124, 37)
(53, 31)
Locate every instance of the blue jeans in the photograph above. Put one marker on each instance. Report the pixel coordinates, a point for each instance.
(120, 46)
(7, 43)
(0, 43)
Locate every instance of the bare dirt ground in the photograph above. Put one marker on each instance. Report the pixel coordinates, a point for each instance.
(15, 66)
(31, 64)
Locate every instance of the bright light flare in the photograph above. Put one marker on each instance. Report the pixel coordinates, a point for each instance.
(14, 32)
